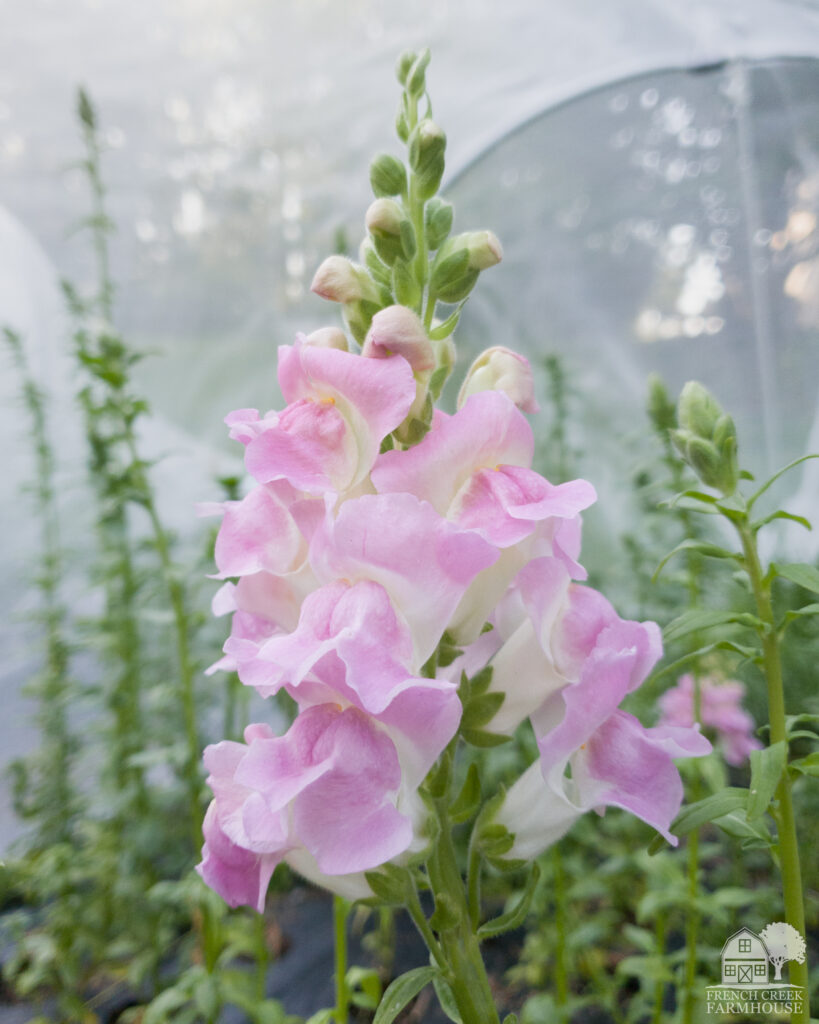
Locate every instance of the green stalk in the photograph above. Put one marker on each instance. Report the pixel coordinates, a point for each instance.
(100, 226)
(659, 988)
(466, 971)
(341, 908)
(57, 797)
(561, 968)
(790, 867)
(692, 923)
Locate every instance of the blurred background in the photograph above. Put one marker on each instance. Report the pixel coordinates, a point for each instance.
(651, 168)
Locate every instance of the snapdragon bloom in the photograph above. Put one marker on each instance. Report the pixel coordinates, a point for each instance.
(328, 790)
(720, 709)
(592, 753)
(340, 407)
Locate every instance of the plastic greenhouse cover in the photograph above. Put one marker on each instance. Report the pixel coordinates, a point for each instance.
(651, 167)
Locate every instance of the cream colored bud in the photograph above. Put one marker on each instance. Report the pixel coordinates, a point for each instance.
(397, 330)
(501, 369)
(485, 249)
(384, 216)
(328, 337)
(339, 280)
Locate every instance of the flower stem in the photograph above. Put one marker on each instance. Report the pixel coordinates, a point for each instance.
(341, 909)
(790, 868)
(561, 969)
(466, 973)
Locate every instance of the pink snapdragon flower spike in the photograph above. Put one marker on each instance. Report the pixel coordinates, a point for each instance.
(350, 646)
(720, 709)
(340, 408)
(327, 788)
(424, 563)
(473, 468)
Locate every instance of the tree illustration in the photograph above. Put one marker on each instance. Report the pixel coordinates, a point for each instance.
(783, 943)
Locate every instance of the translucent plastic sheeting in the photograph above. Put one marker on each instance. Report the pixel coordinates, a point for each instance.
(239, 133)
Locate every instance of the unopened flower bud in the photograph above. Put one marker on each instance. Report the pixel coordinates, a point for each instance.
(416, 79)
(501, 369)
(403, 65)
(698, 411)
(427, 146)
(483, 247)
(328, 337)
(706, 438)
(391, 232)
(660, 407)
(397, 329)
(388, 176)
(438, 221)
(340, 280)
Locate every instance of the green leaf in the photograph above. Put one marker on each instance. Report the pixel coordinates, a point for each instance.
(401, 991)
(445, 917)
(510, 1018)
(767, 766)
(808, 765)
(806, 576)
(775, 477)
(517, 915)
(446, 327)
(321, 1017)
(468, 800)
(446, 999)
(482, 738)
(365, 987)
(714, 806)
(480, 710)
(736, 824)
(780, 514)
(698, 619)
(797, 613)
(699, 546)
(389, 883)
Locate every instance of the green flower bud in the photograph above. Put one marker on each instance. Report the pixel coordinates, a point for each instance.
(704, 459)
(661, 409)
(697, 410)
(391, 232)
(340, 280)
(405, 287)
(404, 64)
(416, 82)
(437, 221)
(427, 146)
(388, 176)
(452, 278)
(707, 438)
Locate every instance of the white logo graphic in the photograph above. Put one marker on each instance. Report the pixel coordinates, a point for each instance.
(747, 986)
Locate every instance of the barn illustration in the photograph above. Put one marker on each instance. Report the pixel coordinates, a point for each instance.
(745, 959)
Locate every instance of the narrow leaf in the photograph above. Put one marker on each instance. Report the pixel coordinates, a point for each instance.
(806, 576)
(515, 917)
(767, 766)
(714, 806)
(401, 991)
(698, 619)
(775, 477)
(699, 546)
(781, 514)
